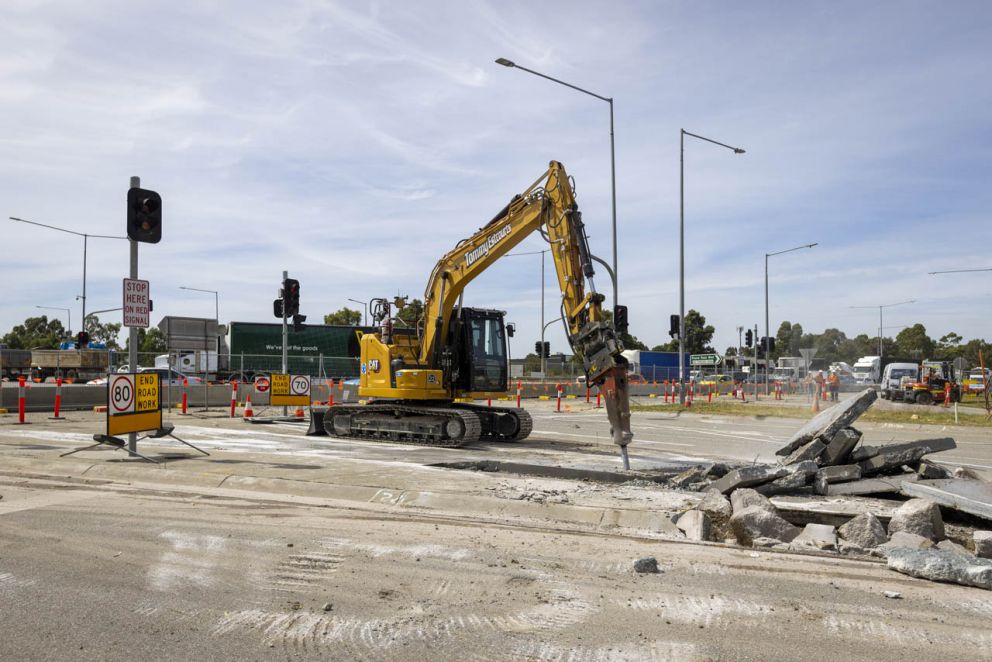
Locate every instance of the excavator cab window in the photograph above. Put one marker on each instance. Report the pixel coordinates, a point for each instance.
(480, 340)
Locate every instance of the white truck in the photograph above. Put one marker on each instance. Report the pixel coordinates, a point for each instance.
(867, 370)
(891, 385)
(788, 369)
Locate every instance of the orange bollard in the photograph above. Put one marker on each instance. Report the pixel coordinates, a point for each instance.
(519, 387)
(185, 395)
(947, 394)
(58, 398)
(489, 402)
(709, 394)
(234, 396)
(559, 397)
(598, 395)
(330, 393)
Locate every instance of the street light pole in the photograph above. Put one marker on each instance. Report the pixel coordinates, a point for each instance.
(85, 237)
(365, 320)
(880, 308)
(68, 314)
(613, 161)
(767, 330)
(216, 321)
(737, 150)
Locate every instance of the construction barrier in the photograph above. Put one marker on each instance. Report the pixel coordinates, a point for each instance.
(21, 386)
(58, 399)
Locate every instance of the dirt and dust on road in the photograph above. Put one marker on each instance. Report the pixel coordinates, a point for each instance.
(493, 551)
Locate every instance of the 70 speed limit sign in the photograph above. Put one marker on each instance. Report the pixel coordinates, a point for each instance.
(290, 390)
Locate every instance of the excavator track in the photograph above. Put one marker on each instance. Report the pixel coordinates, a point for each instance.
(440, 427)
(501, 423)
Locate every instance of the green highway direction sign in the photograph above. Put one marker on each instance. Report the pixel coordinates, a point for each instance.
(704, 359)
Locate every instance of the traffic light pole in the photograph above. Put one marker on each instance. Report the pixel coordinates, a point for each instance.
(132, 350)
(285, 338)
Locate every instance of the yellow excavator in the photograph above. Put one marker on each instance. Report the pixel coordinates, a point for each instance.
(415, 378)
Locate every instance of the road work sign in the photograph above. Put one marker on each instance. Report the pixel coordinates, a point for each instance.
(136, 303)
(290, 390)
(134, 403)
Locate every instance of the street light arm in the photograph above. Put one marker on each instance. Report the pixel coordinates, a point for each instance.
(958, 271)
(736, 150)
(789, 250)
(52, 227)
(508, 63)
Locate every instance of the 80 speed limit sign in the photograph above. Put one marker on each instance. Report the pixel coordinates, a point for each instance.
(134, 403)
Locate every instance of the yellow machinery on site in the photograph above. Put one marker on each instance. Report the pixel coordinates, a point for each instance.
(415, 376)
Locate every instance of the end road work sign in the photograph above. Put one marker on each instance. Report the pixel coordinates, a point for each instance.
(290, 390)
(136, 306)
(134, 403)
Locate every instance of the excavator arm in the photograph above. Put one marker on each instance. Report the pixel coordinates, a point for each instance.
(548, 206)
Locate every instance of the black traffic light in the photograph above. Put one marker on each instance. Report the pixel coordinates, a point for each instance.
(144, 215)
(542, 351)
(537, 348)
(277, 308)
(82, 340)
(547, 349)
(620, 319)
(748, 338)
(673, 326)
(770, 344)
(298, 321)
(291, 296)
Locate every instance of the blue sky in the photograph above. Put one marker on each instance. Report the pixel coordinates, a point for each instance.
(354, 143)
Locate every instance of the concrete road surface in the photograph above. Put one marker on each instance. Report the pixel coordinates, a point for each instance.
(279, 546)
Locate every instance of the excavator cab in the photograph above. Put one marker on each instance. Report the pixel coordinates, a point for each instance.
(477, 351)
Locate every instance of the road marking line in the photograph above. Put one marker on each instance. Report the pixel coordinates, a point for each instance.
(605, 438)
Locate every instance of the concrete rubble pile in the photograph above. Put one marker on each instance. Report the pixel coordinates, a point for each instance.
(824, 460)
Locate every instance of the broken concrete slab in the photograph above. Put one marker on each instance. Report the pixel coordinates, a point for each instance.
(836, 511)
(983, 544)
(746, 497)
(791, 484)
(840, 473)
(970, 496)
(951, 546)
(896, 455)
(942, 566)
(756, 522)
(806, 452)
(929, 470)
(903, 540)
(717, 507)
(695, 525)
(691, 475)
(865, 531)
(919, 516)
(839, 446)
(828, 422)
(746, 477)
(879, 485)
(863, 453)
(817, 536)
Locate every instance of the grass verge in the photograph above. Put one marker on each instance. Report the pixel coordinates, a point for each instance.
(938, 417)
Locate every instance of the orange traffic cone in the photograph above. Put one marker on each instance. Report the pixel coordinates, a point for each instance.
(299, 412)
(248, 412)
